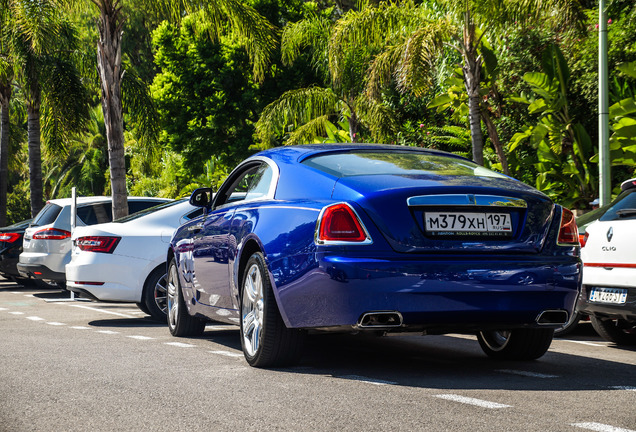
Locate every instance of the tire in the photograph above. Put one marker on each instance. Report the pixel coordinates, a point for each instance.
(154, 295)
(143, 308)
(180, 322)
(619, 331)
(517, 344)
(265, 339)
(569, 326)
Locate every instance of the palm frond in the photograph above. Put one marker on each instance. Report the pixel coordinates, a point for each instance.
(308, 132)
(294, 108)
(313, 32)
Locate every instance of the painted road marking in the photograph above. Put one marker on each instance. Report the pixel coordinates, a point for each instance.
(472, 401)
(140, 337)
(526, 373)
(107, 332)
(180, 344)
(35, 318)
(29, 295)
(599, 427)
(102, 310)
(3, 309)
(583, 343)
(54, 323)
(227, 353)
(80, 328)
(16, 313)
(367, 380)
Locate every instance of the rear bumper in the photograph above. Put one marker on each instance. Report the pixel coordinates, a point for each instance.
(39, 271)
(626, 311)
(433, 294)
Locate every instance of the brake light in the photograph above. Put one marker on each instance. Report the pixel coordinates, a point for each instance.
(569, 232)
(339, 223)
(101, 244)
(51, 234)
(583, 238)
(9, 237)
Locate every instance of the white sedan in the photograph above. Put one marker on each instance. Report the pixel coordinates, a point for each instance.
(125, 260)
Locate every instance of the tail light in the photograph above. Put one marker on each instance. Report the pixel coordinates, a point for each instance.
(583, 238)
(101, 244)
(339, 223)
(9, 237)
(569, 232)
(51, 234)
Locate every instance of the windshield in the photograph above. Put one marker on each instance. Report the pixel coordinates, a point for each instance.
(148, 211)
(359, 163)
(623, 207)
(47, 215)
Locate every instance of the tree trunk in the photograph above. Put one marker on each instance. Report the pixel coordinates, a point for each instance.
(110, 73)
(35, 157)
(5, 97)
(472, 76)
(494, 137)
(353, 127)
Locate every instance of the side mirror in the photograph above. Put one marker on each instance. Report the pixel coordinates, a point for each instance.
(201, 197)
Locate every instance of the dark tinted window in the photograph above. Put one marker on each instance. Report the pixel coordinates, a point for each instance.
(396, 162)
(136, 206)
(146, 211)
(196, 213)
(96, 213)
(623, 207)
(47, 215)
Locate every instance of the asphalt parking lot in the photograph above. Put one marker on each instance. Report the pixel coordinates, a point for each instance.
(78, 366)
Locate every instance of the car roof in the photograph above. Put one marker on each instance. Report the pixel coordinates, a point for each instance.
(97, 199)
(306, 150)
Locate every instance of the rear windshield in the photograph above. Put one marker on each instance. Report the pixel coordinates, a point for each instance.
(360, 163)
(623, 207)
(147, 211)
(103, 212)
(47, 215)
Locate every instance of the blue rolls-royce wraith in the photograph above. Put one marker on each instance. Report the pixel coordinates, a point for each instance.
(357, 237)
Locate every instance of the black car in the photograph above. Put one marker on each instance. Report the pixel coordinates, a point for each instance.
(10, 248)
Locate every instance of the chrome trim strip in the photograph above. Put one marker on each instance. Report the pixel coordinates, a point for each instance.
(466, 200)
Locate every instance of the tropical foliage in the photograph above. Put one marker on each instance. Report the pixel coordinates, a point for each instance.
(161, 97)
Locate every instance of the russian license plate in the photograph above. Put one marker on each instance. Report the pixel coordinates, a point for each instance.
(608, 295)
(456, 223)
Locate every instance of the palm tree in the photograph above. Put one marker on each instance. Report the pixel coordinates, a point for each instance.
(310, 112)
(43, 45)
(256, 32)
(414, 36)
(6, 88)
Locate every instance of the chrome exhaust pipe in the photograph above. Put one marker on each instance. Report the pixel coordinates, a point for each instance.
(380, 319)
(552, 317)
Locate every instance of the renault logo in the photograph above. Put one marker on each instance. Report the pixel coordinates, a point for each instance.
(610, 234)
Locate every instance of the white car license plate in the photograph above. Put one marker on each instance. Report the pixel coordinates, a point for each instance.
(608, 295)
(456, 223)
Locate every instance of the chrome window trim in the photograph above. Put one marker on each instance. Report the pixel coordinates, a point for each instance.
(466, 200)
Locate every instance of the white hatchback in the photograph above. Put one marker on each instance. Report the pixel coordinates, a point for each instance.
(47, 242)
(608, 294)
(125, 260)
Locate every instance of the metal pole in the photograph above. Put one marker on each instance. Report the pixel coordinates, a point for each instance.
(605, 186)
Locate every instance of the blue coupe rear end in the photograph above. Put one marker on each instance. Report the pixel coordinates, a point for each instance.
(363, 237)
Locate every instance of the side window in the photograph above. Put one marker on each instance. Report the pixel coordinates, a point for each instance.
(134, 205)
(95, 213)
(254, 183)
(47, 215)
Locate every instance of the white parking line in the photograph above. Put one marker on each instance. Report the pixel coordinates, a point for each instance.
(472, 401)
(227, 353)
(140, 337)
(102, 310)
(599, 427)
(16, 313)
(367, 380)
(583, 343)
(180, 344)
(35, 318)
(54, 323)
(3, 309)
(526, 373)
(29, 295)
(80, 328)
(107, 332)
